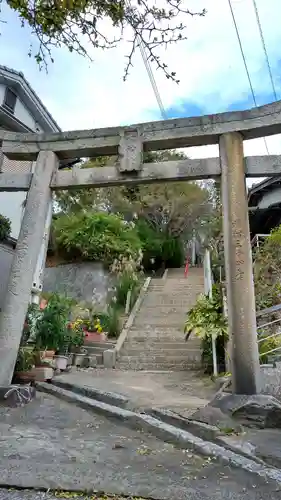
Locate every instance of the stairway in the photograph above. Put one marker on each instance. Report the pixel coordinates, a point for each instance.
(156, 339)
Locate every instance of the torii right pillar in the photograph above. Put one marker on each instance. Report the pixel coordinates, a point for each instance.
(239, 267)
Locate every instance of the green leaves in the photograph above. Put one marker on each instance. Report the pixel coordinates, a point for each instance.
(63, 23)
(267, 271)
(206, 319)
(5, 227)
(51, 327)
(95, 236)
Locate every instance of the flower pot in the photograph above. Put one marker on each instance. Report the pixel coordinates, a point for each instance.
(42, 373)
(60, 362)
(95, 337)
(48, 354)
(70, 359)
(24, 377)
(79, 359)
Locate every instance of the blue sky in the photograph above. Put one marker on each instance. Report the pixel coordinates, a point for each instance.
(80, 94)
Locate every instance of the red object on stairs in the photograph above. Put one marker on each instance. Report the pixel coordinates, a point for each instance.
(186, 268)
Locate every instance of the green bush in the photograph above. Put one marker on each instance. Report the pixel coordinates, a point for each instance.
(5, 227)
(268, 345)
(159, 248)
(113, 326)
(173, 252)
(126, 282)
(51, 327)
(96, 236)
(206, 320)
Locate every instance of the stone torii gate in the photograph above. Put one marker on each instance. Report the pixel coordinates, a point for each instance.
(226, 129)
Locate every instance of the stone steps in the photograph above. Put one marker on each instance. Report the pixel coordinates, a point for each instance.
(192, 343)
(158, 349)
(156, 338)
(178, 365)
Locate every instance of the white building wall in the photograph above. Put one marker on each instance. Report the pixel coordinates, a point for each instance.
(2, 93)
(22, 114)
(11, 204)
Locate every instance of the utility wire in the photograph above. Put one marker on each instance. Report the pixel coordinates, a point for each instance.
(245, 63)
(152, 79)
(264, 49)
(150, 73)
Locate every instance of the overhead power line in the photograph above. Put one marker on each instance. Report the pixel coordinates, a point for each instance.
(152, 79)
(150, 73)
(264, 49)
(245, 63)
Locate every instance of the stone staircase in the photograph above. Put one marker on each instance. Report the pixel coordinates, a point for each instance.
(156, 339)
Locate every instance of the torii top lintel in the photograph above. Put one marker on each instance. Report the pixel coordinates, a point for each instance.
(166, 134)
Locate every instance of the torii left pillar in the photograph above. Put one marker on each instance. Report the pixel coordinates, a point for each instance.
(24, 263)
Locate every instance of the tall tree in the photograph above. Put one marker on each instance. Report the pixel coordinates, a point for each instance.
(78, 24)
(174, 208)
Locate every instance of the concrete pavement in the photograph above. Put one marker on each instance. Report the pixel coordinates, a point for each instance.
(51, 444)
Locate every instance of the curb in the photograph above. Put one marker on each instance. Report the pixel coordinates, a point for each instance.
(204, 431)
(165, 274)
(167, 432)
(124, 333)
(90, 392)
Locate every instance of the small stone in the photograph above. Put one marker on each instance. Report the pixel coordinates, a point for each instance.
(118, 446)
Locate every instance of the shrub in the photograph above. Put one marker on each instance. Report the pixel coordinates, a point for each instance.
(206, 320)
(159, 248)
(51, 327)
(5, 227)
(151, 242)
(113, 326)
(128, 272)
(95, 236)
(267, 345)
(25, 359)
(173, 252)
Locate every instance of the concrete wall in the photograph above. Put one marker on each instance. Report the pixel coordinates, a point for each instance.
(86, 281)
(6, 257)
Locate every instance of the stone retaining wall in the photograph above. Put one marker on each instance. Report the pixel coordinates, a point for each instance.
(85, 281)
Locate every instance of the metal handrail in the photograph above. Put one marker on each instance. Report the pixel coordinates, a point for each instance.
(266, 312)
(256, 238)
(269, 323)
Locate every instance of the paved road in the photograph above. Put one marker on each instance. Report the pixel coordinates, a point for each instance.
(172, 390)
(52, 444)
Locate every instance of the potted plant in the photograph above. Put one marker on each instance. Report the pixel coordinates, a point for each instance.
(24, 364)
(43, 369)
(77, 338)
(93, 330)
(51, 329)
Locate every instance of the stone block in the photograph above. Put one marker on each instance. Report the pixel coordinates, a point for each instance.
(271, 380)
(92, 361)
(99, 358)
(130, 150)
(16, 395)
(260, 411)
(109, 358)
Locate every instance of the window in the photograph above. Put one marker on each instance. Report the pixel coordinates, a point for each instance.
(10, 100)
